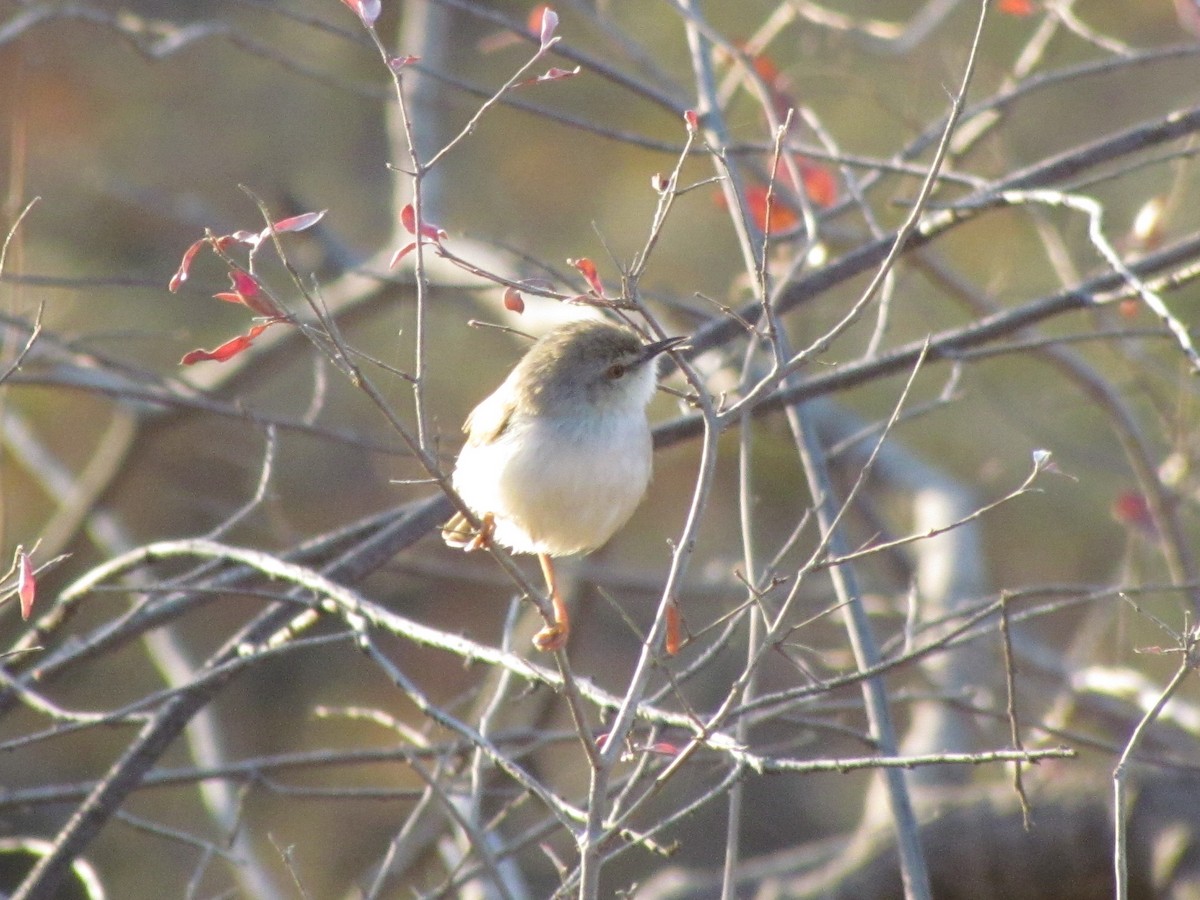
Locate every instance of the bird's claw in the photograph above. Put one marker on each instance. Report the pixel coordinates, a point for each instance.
(551, 638)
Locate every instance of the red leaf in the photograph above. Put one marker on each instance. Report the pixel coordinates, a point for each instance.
(248, 292)
(783, 217)
(547, 23)
(396, 63)
(298, 223)
(819, 183)
(181, 275)
(1017, 7)
(1130, 508)
(401, 253)
(244, 284)
(587, 268)
(766, 69)
(408, 218)
(664, 748)
(229, 349)
(26, 584)
(513, 301)
(692, 120)
(366, 10)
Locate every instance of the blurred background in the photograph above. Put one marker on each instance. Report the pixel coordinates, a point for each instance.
(137, 124)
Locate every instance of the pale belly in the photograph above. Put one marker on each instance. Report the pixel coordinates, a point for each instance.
(566, 496)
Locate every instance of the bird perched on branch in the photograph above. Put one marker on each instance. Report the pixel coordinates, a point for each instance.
(559, 456)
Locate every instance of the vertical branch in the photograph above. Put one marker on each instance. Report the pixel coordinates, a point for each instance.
(402, 123)
(1120, 813)
(866, 655)
(753, 642)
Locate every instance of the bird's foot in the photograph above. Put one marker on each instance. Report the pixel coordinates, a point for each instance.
(552, 637)
(484, 537)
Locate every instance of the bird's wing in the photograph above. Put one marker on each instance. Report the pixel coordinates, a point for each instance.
(488, 420)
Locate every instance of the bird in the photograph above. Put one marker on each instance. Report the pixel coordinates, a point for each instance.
(559, 456)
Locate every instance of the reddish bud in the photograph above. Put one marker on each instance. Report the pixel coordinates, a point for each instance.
(1148, 231)
(533, 22)
(26, 584)
(1016, 7)
(547, 23)
(1129, 308)
(674, 638)
(554, 74)
(587, 268)
(692, 120)
(396, 63)
(659, 182)
(513, 301)
(366, 10)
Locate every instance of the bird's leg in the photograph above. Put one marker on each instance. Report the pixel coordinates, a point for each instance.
(487, 528)
(553, 637)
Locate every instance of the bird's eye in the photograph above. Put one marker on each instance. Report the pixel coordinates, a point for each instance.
(615, 371)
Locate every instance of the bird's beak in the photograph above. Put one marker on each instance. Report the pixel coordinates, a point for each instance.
(649, 351)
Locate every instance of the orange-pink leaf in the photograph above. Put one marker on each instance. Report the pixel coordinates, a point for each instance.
(782, 216)
(513, 301)
(396, 63)
(819, 183)
(401, 253)
(181, 275)
(587, 268)
(300, 222)
(248, 292)
(1017, 7)
(408, 218)
(227, 350)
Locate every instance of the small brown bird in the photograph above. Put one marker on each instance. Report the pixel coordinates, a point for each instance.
(559, 456)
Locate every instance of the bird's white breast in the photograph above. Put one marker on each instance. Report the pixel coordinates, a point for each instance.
(559, 485)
